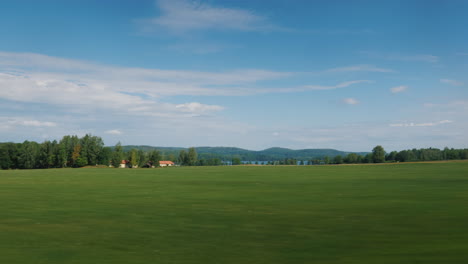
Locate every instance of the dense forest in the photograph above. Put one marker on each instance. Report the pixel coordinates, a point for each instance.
(70, 151)
(73, 151)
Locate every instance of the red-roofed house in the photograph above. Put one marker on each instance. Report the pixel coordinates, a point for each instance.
(166, 163)
(124, 164)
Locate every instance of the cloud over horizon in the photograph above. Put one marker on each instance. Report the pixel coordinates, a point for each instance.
(157, 99)
(121, 96)
(428, 124)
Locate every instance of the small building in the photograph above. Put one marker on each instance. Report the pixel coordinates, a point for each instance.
(124, 164)
(166, 163)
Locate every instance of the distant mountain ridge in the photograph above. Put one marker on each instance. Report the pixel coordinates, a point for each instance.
(228, 153)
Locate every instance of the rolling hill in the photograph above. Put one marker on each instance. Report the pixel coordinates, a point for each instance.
(227, 153)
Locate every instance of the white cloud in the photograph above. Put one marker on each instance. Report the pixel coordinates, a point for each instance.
(458, 107)
(95, 96)
(445, 122)
(114, 132)
(14, 122)
(84, 86)
(350, 136)
(83, 71)
(340, 85)
(423, 58)
(451, 82)
(303, 88)
(182, 15)
(38, 78)
(91, 98)
(360, 68)
(197, 108)
(459, 104)
(399, 89)
(429, 124)
(36, 123)
(350, 101)
(403, 57)
(199, 48)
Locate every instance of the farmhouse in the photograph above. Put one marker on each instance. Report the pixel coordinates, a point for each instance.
(166, 163)
(124, 164)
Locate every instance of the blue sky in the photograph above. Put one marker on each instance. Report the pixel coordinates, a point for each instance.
(347, 75)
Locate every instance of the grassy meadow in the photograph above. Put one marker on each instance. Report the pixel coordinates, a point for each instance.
(395, 213)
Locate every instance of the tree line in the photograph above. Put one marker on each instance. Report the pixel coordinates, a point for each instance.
(73, 151)
(378, 155)
(70, 151)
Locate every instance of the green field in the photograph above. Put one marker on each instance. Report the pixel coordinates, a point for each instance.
(399, 213)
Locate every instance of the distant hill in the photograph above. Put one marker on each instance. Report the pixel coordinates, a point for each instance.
(228, 153)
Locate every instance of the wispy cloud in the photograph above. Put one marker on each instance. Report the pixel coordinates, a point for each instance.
(39, 78)
(87, 95)
(349, 136)
(140, 96)
(350, 101)
(451, 82)
(459, 106)
(38, 63)
(360, 68)
(199, 47)
(35, 123)
(402, 57)
(332, 87)
(350, 31)
(423, 58)
(180, 16)
(114, 132)
(12, 122)
(303, 88)
(428, 124)
(198, 109)
(399, 89)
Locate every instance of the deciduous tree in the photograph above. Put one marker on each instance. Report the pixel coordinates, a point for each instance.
(192, 156)
(378, 154)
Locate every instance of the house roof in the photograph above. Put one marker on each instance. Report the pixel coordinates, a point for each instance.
(166, 162)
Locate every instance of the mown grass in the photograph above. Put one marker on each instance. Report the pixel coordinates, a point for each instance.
(399, 213)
